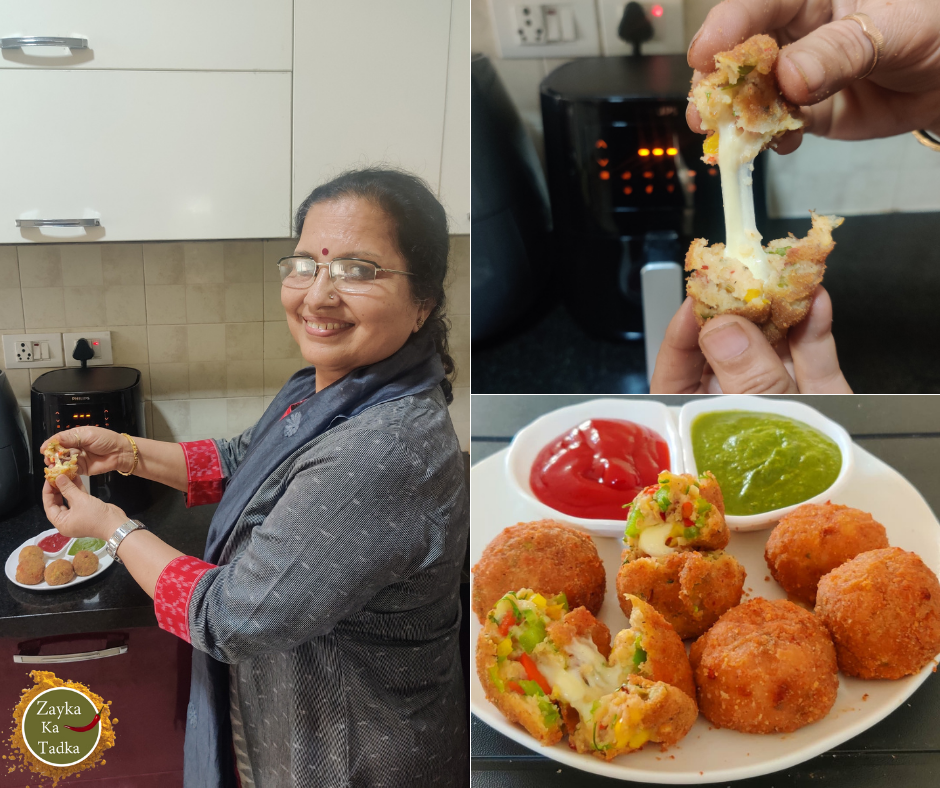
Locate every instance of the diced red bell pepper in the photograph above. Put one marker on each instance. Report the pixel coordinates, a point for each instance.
(662, 516)
(687, 522)
(514, 686)
(534, 673)
(687, 509)
(508, 620)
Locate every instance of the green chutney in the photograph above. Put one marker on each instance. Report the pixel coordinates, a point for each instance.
(763, 461)
(86, 543)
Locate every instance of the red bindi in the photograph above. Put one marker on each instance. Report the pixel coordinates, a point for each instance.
(325, 250)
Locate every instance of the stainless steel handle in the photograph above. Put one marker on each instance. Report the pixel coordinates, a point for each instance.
(79, 657)
(18, 42)
(58, 222)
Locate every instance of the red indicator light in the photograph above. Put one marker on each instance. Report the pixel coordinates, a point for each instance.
(672, 151)
(604, 175)
(600, 144)
(628, 190)
(644, 151)
(657, 11)
(627, 175)
(94, 343)
(657, 151)
(649, 189)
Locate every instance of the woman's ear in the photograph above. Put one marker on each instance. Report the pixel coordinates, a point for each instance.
(424, 310)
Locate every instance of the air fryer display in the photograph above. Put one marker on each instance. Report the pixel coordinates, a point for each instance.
(72, 414)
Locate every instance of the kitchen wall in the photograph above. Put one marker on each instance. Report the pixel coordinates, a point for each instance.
(829, 176)
(202, 321)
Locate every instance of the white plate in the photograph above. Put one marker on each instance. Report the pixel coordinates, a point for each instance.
(718, 755)
(532, 439)
(104, 561)
(779, 407)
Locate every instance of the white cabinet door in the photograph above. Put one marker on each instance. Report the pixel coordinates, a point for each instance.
(455, 158)
(153, 154)
(216, 35)
(369, 86)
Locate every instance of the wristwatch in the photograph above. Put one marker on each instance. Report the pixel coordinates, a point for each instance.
(118, 536)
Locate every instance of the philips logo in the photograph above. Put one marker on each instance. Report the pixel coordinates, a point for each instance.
(75, 399)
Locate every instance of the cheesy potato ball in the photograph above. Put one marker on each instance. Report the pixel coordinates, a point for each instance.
(679, 512)
(546, 556)
(85, 563)
(59, 572)
(765, 667)
(690, 589)
(639, 711)
(30, 569)
(31, 551)
(813, 540)
(883, 611)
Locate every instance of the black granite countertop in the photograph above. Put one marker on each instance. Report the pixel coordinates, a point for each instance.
(884, 280)
(111, 600)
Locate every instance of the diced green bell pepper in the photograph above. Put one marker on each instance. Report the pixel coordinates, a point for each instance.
(662, 498)
(639, 654)
(549, 712)
(530, 687)
(632, 530)
(532, 632)
(497, 681)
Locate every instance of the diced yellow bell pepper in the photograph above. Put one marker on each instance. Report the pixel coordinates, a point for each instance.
(504, 649)
(750, 295)
(539, 601)
(555, 612)
(710, 147)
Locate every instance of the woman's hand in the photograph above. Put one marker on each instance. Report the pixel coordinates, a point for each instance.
(101, 450)
(825, 55)
(85, 515)
(731, 356)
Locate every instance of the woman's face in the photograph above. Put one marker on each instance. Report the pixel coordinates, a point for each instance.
(339, 332)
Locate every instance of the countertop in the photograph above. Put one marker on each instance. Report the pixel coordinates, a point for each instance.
(111, 600)
(884, 280)
(903, 749)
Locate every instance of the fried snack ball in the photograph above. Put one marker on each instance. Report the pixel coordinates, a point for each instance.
(59, 572)
(882, 609)
(651, 648)
(640, 711)
(679, 512)
(32, 550)
(765, 667)
(85, 563)
(64, 461)
(546, 556)
(813, 540)
(691, 589)
(29, 570)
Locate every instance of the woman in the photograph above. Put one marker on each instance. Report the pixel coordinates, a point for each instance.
(325, 614)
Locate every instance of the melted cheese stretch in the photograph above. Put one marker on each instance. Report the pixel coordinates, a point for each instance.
(652, 541)
(586, 678)
(736, 151)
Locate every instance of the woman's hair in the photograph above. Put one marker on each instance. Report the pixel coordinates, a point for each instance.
(420, 225)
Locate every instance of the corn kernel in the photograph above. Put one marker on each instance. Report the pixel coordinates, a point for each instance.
(750, 295)
(710, 147)
(504, 649)
(539, 601)
(638, 739)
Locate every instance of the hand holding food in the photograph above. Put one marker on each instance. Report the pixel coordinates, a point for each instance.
(60, 460)
(85, 515)
(98, 450)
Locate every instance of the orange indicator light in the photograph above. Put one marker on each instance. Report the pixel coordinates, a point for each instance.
(649, 189)
(644, 151)
(671, 188)
(691, 173)
(670, 174)
(604, 175)
(672, 151)
(657, 151)
(626, 175)
(691, 187)
(647, 174)
(603, 162)
(712, 171)
(628, 190)
(600, 144)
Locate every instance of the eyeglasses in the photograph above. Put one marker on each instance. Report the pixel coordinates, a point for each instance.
(348, 274)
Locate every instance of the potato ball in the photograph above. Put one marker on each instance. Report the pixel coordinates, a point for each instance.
(882, 609)
(813, 540)
(85, 563)
(33, 551)
(690, 589)
(29, 570)
(765, 667)
(59, 572)
(546, 556)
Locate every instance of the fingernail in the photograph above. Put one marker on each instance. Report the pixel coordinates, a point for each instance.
(809, 67)
(725, 342)
(692, 43)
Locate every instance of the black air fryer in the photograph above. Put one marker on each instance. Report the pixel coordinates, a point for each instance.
(101, 397)
(14, 451)
(626, 180)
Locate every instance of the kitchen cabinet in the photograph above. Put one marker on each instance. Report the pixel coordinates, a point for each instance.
(455, 156)
(152, 154)
(369, 87)
(213, 35)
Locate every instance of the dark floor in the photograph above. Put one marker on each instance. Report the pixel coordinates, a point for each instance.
(884, 280)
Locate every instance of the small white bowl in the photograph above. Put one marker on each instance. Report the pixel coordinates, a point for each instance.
(530, 440)
(99, 552)
(59, 553)
(779, 407)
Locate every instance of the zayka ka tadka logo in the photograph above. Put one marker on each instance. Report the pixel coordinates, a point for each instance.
(61, 726)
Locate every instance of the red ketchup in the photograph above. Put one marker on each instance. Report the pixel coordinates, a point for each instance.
(53, 543)
(597, 467)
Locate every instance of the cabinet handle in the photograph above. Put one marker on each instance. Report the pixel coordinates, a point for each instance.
(18, 42)
(79, 657)
(58, 222)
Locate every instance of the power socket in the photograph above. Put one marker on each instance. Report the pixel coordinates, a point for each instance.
(531, 22)
(665, 16)
(32, 351)
(100, 342)
(545, 30)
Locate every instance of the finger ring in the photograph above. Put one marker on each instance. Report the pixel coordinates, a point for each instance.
(873, 34)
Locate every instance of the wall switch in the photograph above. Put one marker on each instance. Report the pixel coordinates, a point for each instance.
(550, 30)
(665, 16)
(28, 351)
(100, 342)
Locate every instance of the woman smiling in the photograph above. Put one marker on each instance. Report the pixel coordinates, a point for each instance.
(324, 613)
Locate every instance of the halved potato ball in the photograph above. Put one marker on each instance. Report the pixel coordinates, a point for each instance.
(883, 611)
(546, 556)
(813, 540)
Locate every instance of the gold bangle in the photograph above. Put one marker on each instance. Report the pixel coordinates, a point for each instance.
(925, 139)
(873, 34)
(134, 466)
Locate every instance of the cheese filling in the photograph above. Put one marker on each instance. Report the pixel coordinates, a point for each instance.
(586, 678)
(652, 541)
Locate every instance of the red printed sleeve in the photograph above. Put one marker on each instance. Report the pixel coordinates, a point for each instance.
(174, 590)
(205, 481)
